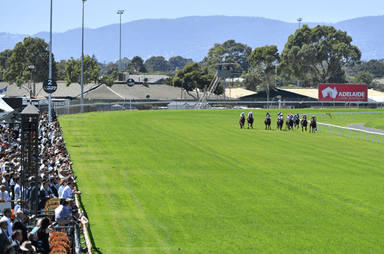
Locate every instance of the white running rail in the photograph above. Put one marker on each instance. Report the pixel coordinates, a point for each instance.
(351, 132)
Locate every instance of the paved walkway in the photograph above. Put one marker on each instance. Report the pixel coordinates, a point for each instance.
(362, 127)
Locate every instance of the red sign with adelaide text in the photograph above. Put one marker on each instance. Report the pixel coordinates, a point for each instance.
(343, 92)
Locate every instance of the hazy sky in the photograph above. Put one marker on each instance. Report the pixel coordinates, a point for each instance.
(30, 17)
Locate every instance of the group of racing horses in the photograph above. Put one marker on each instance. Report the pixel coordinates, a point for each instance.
(292, 122)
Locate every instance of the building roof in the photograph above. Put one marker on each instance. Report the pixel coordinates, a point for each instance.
(308, 92)
(152, 79)
(62, 91)
(235, 93)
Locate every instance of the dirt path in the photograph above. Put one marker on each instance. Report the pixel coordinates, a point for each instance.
(362, 127)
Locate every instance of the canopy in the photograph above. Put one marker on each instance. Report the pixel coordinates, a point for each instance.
(4, 106)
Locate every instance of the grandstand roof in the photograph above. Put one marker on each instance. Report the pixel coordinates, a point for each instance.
(235, 93)
(308, 92)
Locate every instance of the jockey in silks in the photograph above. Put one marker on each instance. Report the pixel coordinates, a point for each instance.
(250, 114)
(297, 116)
(279, 114)
(304, 117)
(290, 116)
(268, 115)
(242, 115)
(314, 118)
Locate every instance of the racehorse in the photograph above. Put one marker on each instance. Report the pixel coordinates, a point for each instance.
(312, 125)
(280, 123)
(289, 123)
(296, 122)
(304, 124)
(241, 122)
(250, 121)
(267, 123)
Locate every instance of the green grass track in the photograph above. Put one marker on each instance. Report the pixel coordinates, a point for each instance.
(193, 182)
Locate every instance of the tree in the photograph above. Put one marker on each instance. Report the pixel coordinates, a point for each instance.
(318, 54)
(4, 56)
(137, 64)
(61, 70)
(195, 79)
(266, 58)
(375, 67)
(179, 62)
(229, 52)
(363, 77)
(91, 71)
(157, 63)
(107, 80)
(31, 52)
(252, 81)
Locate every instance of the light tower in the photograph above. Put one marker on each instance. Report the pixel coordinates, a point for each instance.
(82, 62)
(299, 19)
(120, 12)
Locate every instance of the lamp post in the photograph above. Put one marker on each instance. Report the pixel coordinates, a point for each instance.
(50, 68)
(82, 62)
(299, 19)
(120, 12)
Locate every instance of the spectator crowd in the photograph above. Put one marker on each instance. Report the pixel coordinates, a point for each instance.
(21, 231)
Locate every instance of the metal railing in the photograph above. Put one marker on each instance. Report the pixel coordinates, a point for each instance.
(351, 132)
(74, 106)
(347, 115)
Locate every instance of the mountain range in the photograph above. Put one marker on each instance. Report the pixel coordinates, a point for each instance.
(192, 37)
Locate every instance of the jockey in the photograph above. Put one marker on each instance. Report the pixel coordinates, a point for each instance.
(242, 115)
(268, 115)
(304, 117)
(290, 116)
(297, 116)
(314, 117)
(281, 117)
(250, 114)
(279, 114)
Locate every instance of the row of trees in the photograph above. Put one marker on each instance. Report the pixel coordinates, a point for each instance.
(322, 54)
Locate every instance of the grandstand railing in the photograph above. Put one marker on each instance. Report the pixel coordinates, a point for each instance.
(351, 132)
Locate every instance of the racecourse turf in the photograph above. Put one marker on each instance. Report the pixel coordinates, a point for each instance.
(192, 181)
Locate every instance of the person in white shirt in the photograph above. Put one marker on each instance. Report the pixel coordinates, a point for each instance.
(4, 196)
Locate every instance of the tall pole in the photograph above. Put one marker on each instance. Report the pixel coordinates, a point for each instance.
(82, 62)
(299, 19)
(298, 81)
(120, 12)
(50, 68)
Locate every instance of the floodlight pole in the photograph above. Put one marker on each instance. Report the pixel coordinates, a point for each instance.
(82, 63)
(299, 19)
(50, 69)
(120, 12)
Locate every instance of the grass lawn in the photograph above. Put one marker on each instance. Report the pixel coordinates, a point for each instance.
(193, 182)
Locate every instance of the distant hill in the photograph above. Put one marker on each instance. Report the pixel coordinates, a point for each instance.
(191, 37)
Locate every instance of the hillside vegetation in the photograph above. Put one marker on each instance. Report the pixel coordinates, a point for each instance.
(194, 182)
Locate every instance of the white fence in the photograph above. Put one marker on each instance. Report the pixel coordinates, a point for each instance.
(351, 132)
(346, 115)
